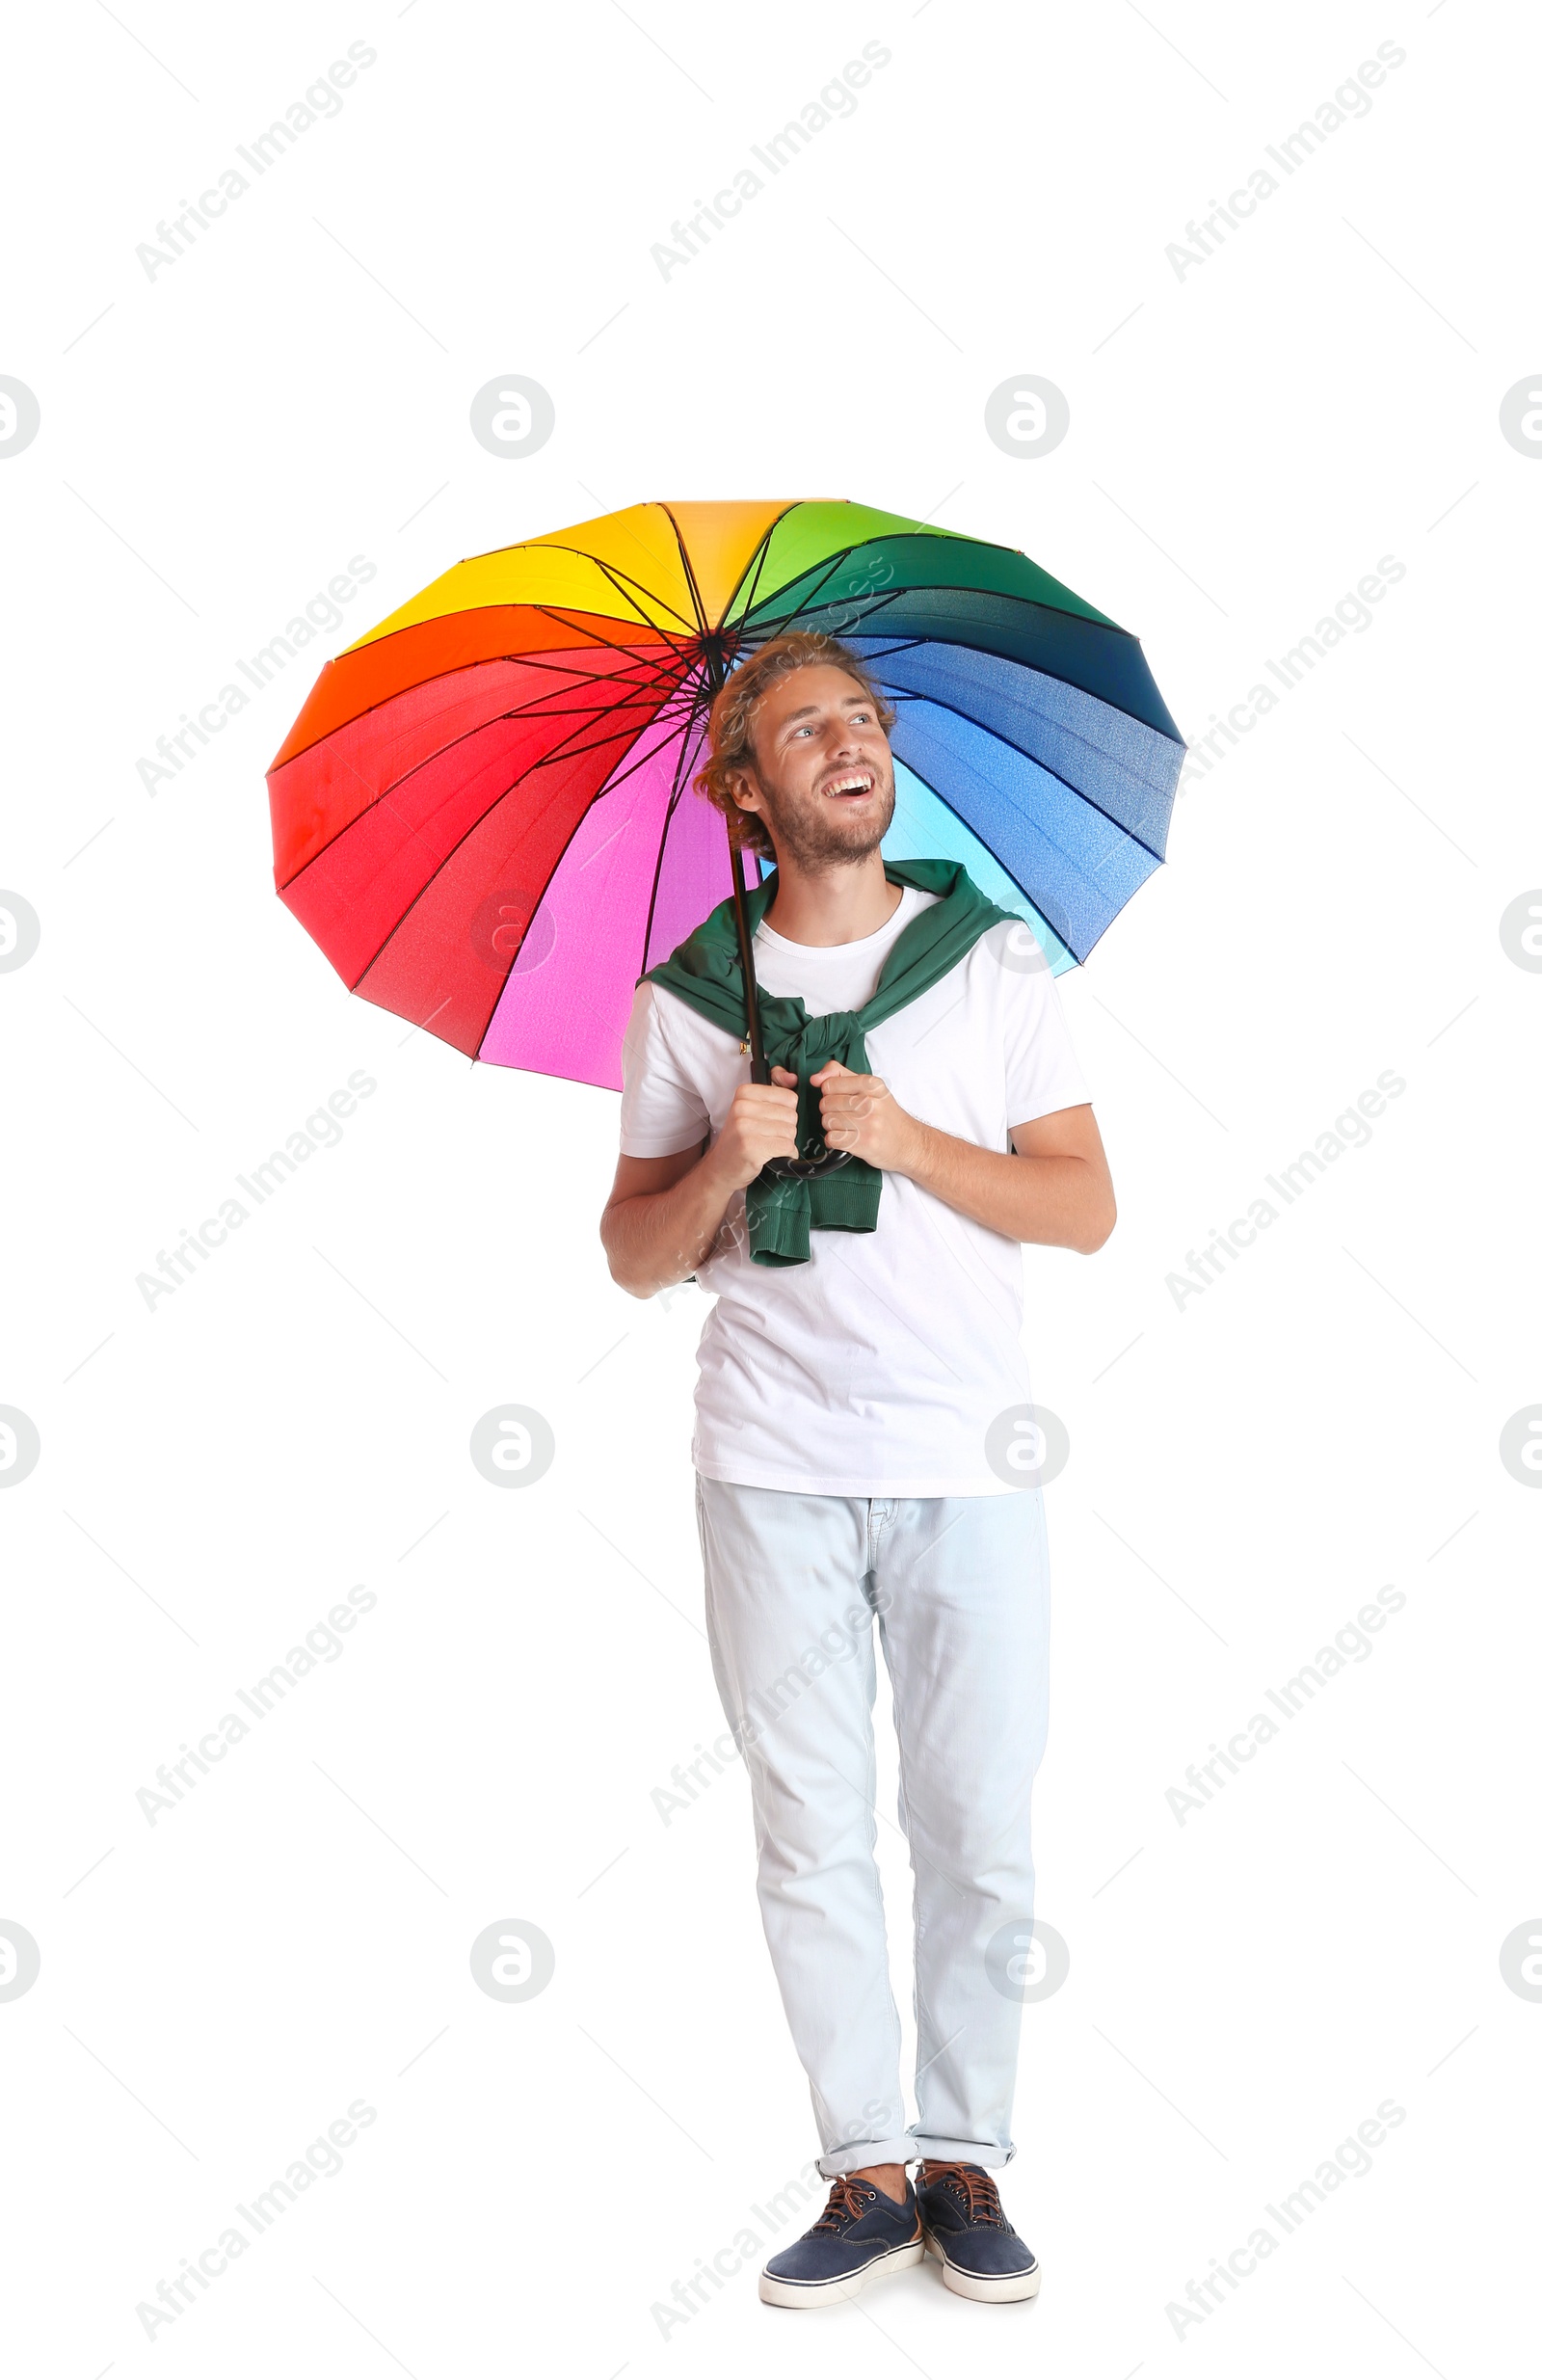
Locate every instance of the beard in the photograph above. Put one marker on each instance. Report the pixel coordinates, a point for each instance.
(819, 838)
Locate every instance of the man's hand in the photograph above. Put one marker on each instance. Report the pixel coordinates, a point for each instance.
(1053, 1190)
(762, 1122)
(665, 1215)
(859, 1112)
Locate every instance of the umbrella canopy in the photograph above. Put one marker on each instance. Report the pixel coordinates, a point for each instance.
(484, 814)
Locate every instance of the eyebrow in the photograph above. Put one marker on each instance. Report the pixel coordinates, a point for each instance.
(808, 709)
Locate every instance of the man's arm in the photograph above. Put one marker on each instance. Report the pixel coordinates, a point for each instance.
(1055, 1191)
(663, 1212)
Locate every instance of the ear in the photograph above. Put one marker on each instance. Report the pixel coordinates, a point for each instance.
(744, 791)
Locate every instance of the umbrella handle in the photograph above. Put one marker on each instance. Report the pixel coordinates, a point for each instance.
(782, 1168)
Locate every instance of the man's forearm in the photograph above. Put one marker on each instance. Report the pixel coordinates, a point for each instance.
(1051, 1201)
(655, 1239)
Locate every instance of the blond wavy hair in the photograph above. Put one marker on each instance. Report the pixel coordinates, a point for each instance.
(729, 725)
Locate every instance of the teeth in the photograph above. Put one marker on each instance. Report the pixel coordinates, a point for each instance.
(850, 784)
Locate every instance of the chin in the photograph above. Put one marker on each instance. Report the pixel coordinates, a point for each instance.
(870, 833)
(859, 837)
(825, 842)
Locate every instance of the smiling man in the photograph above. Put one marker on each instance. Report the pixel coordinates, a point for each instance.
(860, 1376)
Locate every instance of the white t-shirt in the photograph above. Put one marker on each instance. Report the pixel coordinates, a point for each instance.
(876, 1368)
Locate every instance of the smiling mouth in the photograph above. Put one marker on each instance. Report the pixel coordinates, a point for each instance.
(856, 783)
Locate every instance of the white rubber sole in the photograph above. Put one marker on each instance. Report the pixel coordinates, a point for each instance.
(775, 2292)
(989, 2290)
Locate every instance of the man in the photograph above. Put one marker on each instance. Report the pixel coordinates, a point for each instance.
(860, 1421)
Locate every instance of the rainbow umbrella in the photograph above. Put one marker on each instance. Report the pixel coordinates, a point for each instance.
(484, 812)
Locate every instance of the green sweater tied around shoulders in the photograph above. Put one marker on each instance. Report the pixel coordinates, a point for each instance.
(707, 974)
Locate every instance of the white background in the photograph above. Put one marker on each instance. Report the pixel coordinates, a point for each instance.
(1246, 442)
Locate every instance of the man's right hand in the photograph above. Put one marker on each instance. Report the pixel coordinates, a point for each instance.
(664, 1215)
(761, 1123)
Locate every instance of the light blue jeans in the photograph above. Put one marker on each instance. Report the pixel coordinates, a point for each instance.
(959, 1586)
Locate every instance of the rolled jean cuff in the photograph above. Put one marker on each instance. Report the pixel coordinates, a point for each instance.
(898, 2150)
(963, 2152)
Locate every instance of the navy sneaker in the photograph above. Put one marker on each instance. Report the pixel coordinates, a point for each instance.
(861, 2232)
(981, 2255)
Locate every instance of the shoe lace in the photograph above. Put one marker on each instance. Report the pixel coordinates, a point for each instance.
(973, 2187)
(845, 2204)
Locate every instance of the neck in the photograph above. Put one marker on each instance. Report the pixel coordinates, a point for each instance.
(843, 903)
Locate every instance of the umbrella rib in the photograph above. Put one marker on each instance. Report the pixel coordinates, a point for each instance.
(525, 660)
(1031, 603)
(845, 552)
(875, 602)
(828, 564)
(569, 750)
(558, 751)
(617, 777)
(690, 729)
(982, 838)
(953, 710)
(608, 644)
(438, 870)
(760, 559)
(1040, 828)
(757, 560)
(919, 643)
(611, 571)
(939, 795)
(518, 710)
(564, 749)
(532, 660)
(618, 520)
(697, 604)
(832, 562)
(901, 644)
(549, 611)
(617, 578)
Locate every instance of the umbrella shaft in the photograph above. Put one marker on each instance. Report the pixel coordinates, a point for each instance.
(760, 1071)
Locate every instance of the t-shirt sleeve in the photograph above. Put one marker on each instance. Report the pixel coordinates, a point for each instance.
(661, 1110)
(1041, 1073)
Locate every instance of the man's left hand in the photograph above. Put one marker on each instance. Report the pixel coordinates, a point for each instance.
(859, 1112)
